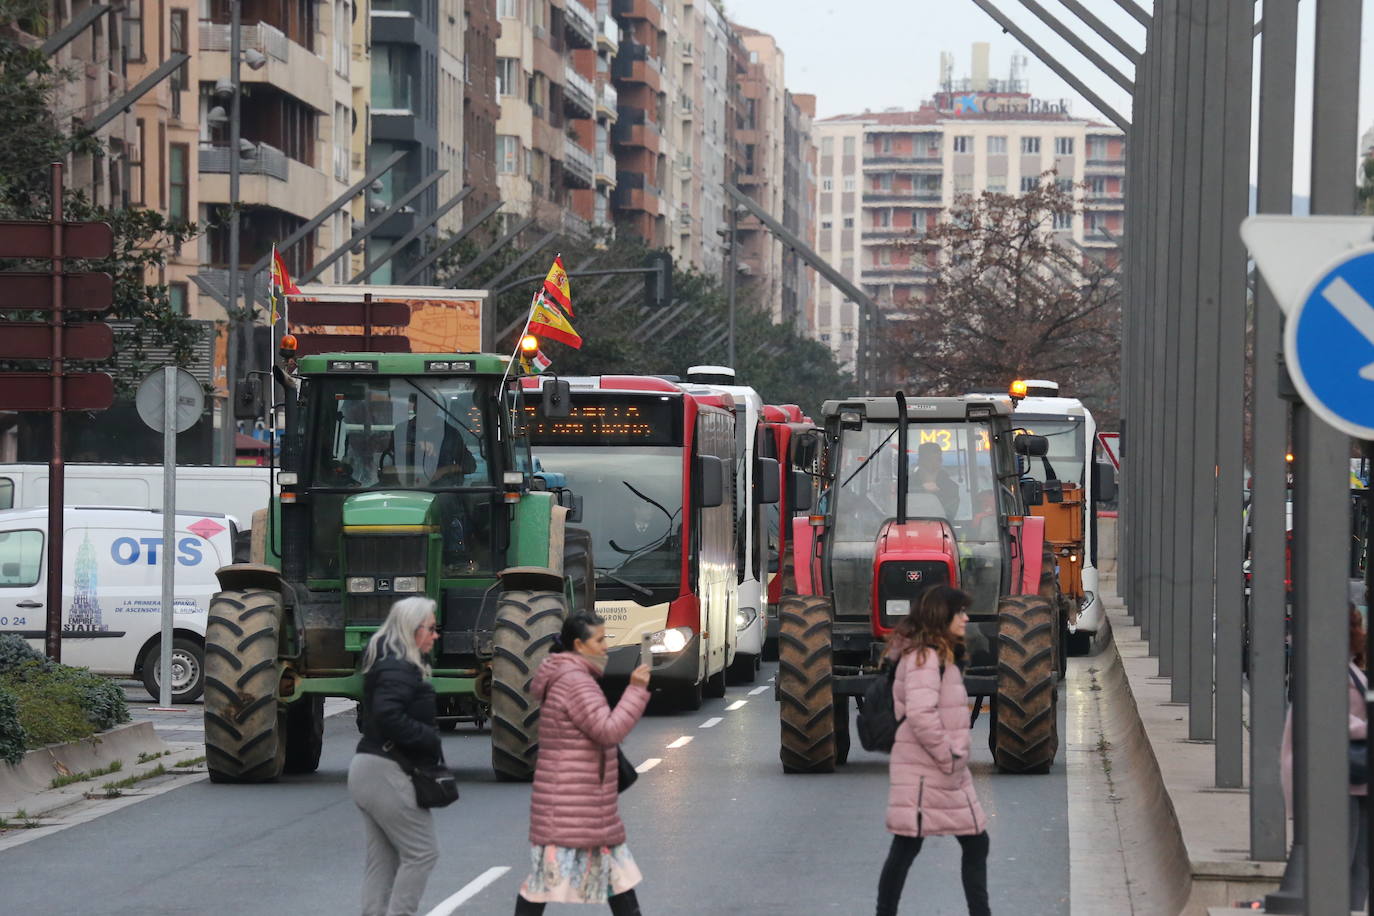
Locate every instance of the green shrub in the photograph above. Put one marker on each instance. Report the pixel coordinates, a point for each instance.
(101, 698)
(15, 650)
(51, 707)
(13, 741)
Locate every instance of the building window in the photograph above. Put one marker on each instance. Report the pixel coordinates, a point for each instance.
(997, 184)
(997, 146)
(849, 146)
(1030, 146)
(1063, 220)
(827, 184)
(882, 219)
(180, 78)
(178, 160)
(508, 154)
(884, 257)
(1097, 187)
(883, 182)
(1063, 146)
(133, 31)
(849, 222)
(886, 143)
(136, 191)
(849, 182)
(827, 225)
(176, 298)
(1029, 183)
(1097, 147)
(827, 146)
(507, 76)
(963, 144)
(963, 183)
(1064, 184)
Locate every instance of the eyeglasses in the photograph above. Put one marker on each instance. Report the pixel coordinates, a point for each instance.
(432, 627)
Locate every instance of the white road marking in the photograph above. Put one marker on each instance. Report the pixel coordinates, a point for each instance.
(648, 765)
(681, 742)
(1354, 309)
(758, 690)
(736, 705)
(711, 722)
(470, 890)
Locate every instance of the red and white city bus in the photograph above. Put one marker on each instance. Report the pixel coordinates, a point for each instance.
(650, 469)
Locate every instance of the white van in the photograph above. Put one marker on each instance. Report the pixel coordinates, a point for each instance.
(112, 593)
(237, 492)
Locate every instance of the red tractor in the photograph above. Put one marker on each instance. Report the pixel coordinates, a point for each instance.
(886, 529)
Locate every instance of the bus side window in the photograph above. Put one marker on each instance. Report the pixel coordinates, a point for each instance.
(6, 493)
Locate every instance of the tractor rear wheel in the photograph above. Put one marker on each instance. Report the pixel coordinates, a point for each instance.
(805, 689)
(303, 728)
(526, 623)
(244, 736)
(1025, 730)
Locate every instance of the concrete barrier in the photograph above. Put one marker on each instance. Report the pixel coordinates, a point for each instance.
(1106, 544)
(35, 773)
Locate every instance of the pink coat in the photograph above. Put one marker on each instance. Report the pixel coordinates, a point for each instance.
(930, 788)
(1355, 723)
(575, 778)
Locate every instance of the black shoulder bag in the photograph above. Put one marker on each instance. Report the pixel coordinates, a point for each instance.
(626, 774)
(436, 786)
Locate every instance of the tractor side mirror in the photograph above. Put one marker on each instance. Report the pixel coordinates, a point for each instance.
(768, 480)
(570, 501)
(711, 472)
(1032, 493)
(1104, 482)
(556, 403)
(1031, 446)
(800, 491)
(1053, 491)
(248, 401)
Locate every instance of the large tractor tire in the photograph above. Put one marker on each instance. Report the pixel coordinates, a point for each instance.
(1025, 730)
(526, 624)
(244, 736)
(805, 690)
(303, 727)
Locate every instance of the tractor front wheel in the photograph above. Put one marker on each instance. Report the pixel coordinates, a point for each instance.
(526, 623)
(244, 736)
(303, 727)
(805, 689)
(1024, 729)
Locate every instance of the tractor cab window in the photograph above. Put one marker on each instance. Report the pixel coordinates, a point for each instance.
(950, 477)
(1064, 461)
(399, 432)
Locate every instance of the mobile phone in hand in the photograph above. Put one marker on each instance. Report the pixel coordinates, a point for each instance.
(646, 657)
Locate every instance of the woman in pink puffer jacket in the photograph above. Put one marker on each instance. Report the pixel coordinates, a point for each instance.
(578, 852)
(930, 788)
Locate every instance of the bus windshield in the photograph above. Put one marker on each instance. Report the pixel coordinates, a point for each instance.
(399, 432)
(950, 476)
(1065, 457)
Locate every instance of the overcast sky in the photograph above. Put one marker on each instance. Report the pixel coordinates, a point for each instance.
(857, 54)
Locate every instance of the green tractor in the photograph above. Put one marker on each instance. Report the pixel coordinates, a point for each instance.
(401, 475)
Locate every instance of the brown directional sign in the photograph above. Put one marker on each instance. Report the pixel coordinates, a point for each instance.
(33, 391)
(383, 314)
(32, 239)
(310, 344)
(33, 340)
(84, 292)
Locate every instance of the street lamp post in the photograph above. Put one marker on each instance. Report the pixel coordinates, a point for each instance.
(730, 276)
(227, 451)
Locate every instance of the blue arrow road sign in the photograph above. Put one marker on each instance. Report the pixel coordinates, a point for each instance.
(1329, 343)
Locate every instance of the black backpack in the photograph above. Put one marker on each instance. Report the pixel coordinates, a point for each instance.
(877, 721)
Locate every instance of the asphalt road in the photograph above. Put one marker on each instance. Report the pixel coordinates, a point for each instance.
(714, 825)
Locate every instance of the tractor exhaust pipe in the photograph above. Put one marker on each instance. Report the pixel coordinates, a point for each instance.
(901, 458)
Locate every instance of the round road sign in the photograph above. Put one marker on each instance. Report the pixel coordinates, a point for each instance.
(1329, 344)
(190, 400)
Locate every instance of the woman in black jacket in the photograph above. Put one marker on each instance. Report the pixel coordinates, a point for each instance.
(397, 720)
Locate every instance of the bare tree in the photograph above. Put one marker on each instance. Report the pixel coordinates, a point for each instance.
(1012, 297)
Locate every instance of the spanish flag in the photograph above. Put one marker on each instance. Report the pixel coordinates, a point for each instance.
(547, 320)
(556, 285)
(281, 283)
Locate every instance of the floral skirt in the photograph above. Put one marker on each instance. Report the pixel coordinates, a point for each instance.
(560, 874)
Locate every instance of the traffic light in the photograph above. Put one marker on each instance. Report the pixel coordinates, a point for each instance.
(658, 284)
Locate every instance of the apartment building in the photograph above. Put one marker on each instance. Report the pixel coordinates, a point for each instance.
(887, 177)
(481, 105)
(798, 203)
(637, 142)
(762, 133)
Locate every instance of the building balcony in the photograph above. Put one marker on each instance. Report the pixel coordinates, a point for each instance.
(578, 167)
(684, 217)
(685, 105)
(607, 35)
(894, 273)
(604, 171)
(579, 23)
(649, 10)
(917, 195)
(267, 160)
(902, 163)
(1102, 238)
(290, 67)
(633, 192)
(579, 95)
(880, 235)
(1109, 166)
(1106, 201)
(269, 178)
(642, 70)
(608, 102)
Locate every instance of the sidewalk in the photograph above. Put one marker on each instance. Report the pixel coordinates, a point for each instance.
(1180, 844)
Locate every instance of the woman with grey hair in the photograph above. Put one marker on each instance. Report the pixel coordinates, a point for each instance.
(398, 717)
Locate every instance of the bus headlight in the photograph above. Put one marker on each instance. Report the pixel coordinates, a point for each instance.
(408, 584)
(744, 617)
(669, 641)
(897, 607)
(361, 585)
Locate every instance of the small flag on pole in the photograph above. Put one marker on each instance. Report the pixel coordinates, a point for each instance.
(556, 285)
(549, 321)
(281, 284)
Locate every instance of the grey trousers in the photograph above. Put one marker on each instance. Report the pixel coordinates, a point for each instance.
(401, 848)
(1359, 852)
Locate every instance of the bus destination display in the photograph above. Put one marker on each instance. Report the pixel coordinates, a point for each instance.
(599, 419)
